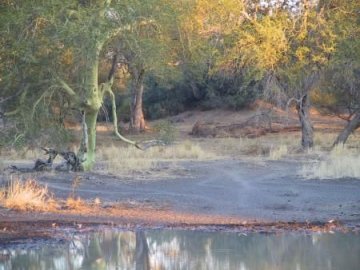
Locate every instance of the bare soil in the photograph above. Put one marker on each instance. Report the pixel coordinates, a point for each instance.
(233, 194)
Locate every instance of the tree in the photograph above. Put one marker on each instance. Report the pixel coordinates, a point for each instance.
(28, 96)
(285, 49)
(342, 78)
(311, 44)
(71, 37)
(146, 47)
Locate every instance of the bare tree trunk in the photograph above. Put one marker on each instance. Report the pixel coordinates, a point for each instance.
(89, 159)
(137, 121)
(142, 252)
(353, 124)
(307, 131)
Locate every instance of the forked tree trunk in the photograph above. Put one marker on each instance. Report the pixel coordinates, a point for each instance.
(307, 131)
(91, 98)
(137, 121)
(92, 101)
(353, 124)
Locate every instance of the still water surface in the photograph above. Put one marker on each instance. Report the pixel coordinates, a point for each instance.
(167, 249)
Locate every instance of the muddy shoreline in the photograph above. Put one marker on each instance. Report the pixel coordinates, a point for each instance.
(52, 227)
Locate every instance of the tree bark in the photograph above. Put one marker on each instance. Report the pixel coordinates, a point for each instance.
(307, 131)
(137, 121)
(352, 125)
(91, 104)
(89, 155)
(90, 100)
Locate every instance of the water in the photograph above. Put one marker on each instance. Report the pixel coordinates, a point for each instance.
(155, 249)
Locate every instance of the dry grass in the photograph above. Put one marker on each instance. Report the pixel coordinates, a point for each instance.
(24, 153)
(75, 204)
(30, 196)
(324, 140)
(278, 152)
(27, 196)
(342, 162)
(124, 159)
(274, 146)
(235, 147)
(127, 159)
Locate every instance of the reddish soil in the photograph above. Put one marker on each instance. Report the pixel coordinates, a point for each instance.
(15, 226)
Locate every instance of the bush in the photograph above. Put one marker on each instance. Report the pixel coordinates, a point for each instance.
(341, 163)
(165, 99)
(25, 196)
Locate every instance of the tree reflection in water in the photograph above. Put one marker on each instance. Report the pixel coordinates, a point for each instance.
(112, 249)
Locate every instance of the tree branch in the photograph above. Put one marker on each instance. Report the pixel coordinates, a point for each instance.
(297, 101)
(66, 87)
(116, 130)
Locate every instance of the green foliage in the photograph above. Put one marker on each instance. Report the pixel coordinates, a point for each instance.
(341, 80)
(195, 54)
(207, 92)
(163, 99)
(27, 56)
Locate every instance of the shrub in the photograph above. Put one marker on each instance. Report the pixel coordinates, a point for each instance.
(340, 163)
(28, 195)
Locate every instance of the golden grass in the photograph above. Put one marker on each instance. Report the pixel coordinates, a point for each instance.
(278, 152)
(127, 159)
(124, 159)
(342, 162)
(185, 150)
(27, 196)
(75, 204)
(324, 140)
(274, 146)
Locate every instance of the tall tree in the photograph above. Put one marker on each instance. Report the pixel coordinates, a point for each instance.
(342, 79)
(286, 49)
(71, 37)
(146, 47)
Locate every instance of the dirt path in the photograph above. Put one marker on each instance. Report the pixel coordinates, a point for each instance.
(270, 190)
(227, 194)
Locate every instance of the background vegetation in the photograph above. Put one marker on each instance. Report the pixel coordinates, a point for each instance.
(81, 60)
